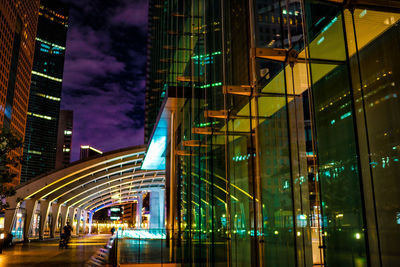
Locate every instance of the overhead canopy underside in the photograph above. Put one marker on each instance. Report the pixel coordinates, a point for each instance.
(112, 178)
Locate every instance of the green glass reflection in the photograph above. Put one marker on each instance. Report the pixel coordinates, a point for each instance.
(373, 39)
(338, 174)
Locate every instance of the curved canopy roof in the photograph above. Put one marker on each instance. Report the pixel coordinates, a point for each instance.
(91, 184)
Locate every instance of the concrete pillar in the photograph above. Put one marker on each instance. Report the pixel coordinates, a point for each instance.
(84, 221)
(63, 214)
(9, 215)
(162, 208)
(155, 210)
(30, 208)
(139, 206)
(55, 212)
(44, 211)
(71, 215)
(90, 221)
(78, 221)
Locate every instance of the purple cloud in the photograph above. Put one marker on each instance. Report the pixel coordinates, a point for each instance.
(86, 58)
(131, 14)
(104, 73)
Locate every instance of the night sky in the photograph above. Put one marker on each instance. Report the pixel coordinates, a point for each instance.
(104, 75)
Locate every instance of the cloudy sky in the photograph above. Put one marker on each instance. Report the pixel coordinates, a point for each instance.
(104, 76)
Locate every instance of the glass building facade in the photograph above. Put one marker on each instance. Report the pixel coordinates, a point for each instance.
(45, 91)
(279, 129)
(18, 23)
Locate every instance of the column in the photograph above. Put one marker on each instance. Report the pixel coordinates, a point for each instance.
(162, 208)
(63, 214)
(155, 210)
(30, 208)
(90, 222)
(84, 221)
(55, 210)
(44, 211)
(78, 220)
(139, 206)
(71, 215)
(9, 214)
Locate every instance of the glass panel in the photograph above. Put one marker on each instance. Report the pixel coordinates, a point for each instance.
(339, 176)
(374, 40)
(277, 202)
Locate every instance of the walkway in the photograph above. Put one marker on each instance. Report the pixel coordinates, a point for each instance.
(47, 253)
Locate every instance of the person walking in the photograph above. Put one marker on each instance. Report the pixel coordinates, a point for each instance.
(112, 230)
(66, 235)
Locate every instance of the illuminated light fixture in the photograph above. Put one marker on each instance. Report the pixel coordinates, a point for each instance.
(2, 236)
(348, 114)
(276, 232)
(298, 234)
(49, 97)
(46, 76)
(92, 148)
(34, 152)
(358, 236)
(67, 132)
(363, 13)
(302, 217)
(329, 25)
(41, 116)
(211, 85)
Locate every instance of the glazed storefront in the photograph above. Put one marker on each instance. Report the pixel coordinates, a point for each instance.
(281, 129)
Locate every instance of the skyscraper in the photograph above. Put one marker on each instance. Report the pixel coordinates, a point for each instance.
(64, 138)
(279, 130)
(18, 23)
(45, 93)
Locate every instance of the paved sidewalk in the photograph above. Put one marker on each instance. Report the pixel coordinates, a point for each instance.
(46, 252)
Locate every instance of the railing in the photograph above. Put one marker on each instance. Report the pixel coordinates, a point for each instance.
(137, 246)
(104, 255)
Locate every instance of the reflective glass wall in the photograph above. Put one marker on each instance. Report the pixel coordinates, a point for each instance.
(283, 131)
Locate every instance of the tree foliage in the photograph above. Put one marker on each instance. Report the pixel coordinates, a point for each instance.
(9, 143)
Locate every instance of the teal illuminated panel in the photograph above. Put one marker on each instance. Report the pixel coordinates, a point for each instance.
(155, 156)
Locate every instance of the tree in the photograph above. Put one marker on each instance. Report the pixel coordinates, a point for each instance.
(9, 157)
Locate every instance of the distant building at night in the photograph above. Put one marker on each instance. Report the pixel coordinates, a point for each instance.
(45, 94)
(129, 215)
(64, 138)
(88, 151)
(18, 23)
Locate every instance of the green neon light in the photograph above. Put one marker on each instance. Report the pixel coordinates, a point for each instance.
(211, 85)
(207, 55)
(206, 124)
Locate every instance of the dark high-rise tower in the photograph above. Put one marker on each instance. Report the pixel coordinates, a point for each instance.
(18, 22)
(45, 95)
